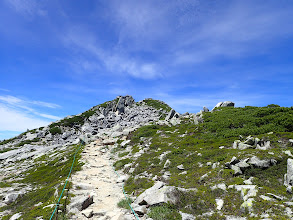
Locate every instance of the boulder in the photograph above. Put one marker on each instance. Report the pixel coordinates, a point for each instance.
(140, 210)
(167, 164)
(180, 167)
(10, 198)
(170, 115)
(158, 193)
(205, 109)
(220, 203)
(243, 146)
(249, 140)
(256, 162)
(237, 170)
(288, 178)
(224, 104)
(15, 216)
(228, 104)
(81, 202)
(186, 216)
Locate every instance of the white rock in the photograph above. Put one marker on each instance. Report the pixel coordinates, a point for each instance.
(180, 167)
(15, 216)
(88, 213)
(220, 203)
(167, 164)
(186, 216)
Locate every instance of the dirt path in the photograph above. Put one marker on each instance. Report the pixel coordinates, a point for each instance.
(98, 179)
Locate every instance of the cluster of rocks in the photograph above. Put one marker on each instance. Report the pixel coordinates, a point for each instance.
(251, 142)
(158, 194)
(239, 166)
(198, 117)
(111, 120)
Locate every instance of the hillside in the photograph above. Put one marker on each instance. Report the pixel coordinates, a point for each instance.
(228, 163)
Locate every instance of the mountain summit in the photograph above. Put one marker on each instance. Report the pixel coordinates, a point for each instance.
(143, 160)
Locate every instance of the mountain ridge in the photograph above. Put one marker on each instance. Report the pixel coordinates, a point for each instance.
(228, 163)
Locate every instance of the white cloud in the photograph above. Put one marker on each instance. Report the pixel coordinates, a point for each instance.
(235, 31)
(14, 120)
(115, 61)
(4, 90)
(19, 105)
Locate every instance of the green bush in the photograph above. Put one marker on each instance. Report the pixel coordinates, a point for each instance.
(157, 104)
(55, 130)
(164, 212)
(124, 203)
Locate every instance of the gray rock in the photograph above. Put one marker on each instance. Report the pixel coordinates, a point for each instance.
(228, 104)
(167, 164)
(288, 179)
(88, 213)
(235, 144)
(180, 167)
(275, 196)
(291, 142)
(170, 115)
(205, 109)
(140, 210)
(234, 160)
(159, 193)
(81, 202)
(186, 216)
(243, 146)
(15, 216)
(242, 165)
(10, 198)
(256, 162)
(220, 203)
(237, 170)
(224, 104)
(249, 140)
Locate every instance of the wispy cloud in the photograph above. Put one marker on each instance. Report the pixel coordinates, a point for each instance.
(14, 120)
(27, 7)
(4, 90)
(115, 61)
(16, 104)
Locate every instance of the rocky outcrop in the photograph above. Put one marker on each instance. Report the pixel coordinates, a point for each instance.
(159, 193)
(288, 177)
(224, 104)
(239, 166)
(251, 142)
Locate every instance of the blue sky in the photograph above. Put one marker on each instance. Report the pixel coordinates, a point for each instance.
(59, 58)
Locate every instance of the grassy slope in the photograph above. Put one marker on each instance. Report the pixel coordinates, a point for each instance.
(46, 176)
(187, 141)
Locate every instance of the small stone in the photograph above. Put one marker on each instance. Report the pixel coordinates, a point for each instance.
(180, 167)
(167, 164)
(88, 213)
(237, 170)
(220, 203)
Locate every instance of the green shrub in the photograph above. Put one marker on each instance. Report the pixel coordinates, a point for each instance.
(55, 130)
(164, 212)
(124, 203)
(120, 163)
(157, 104)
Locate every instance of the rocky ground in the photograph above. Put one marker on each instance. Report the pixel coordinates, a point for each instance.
(228, 163)
(97, 180)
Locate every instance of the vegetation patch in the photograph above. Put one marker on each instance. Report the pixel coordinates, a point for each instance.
(42, 177)
(28, 142)
(55, 130)
(124, 203)
(164, 212)
(157, 104)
